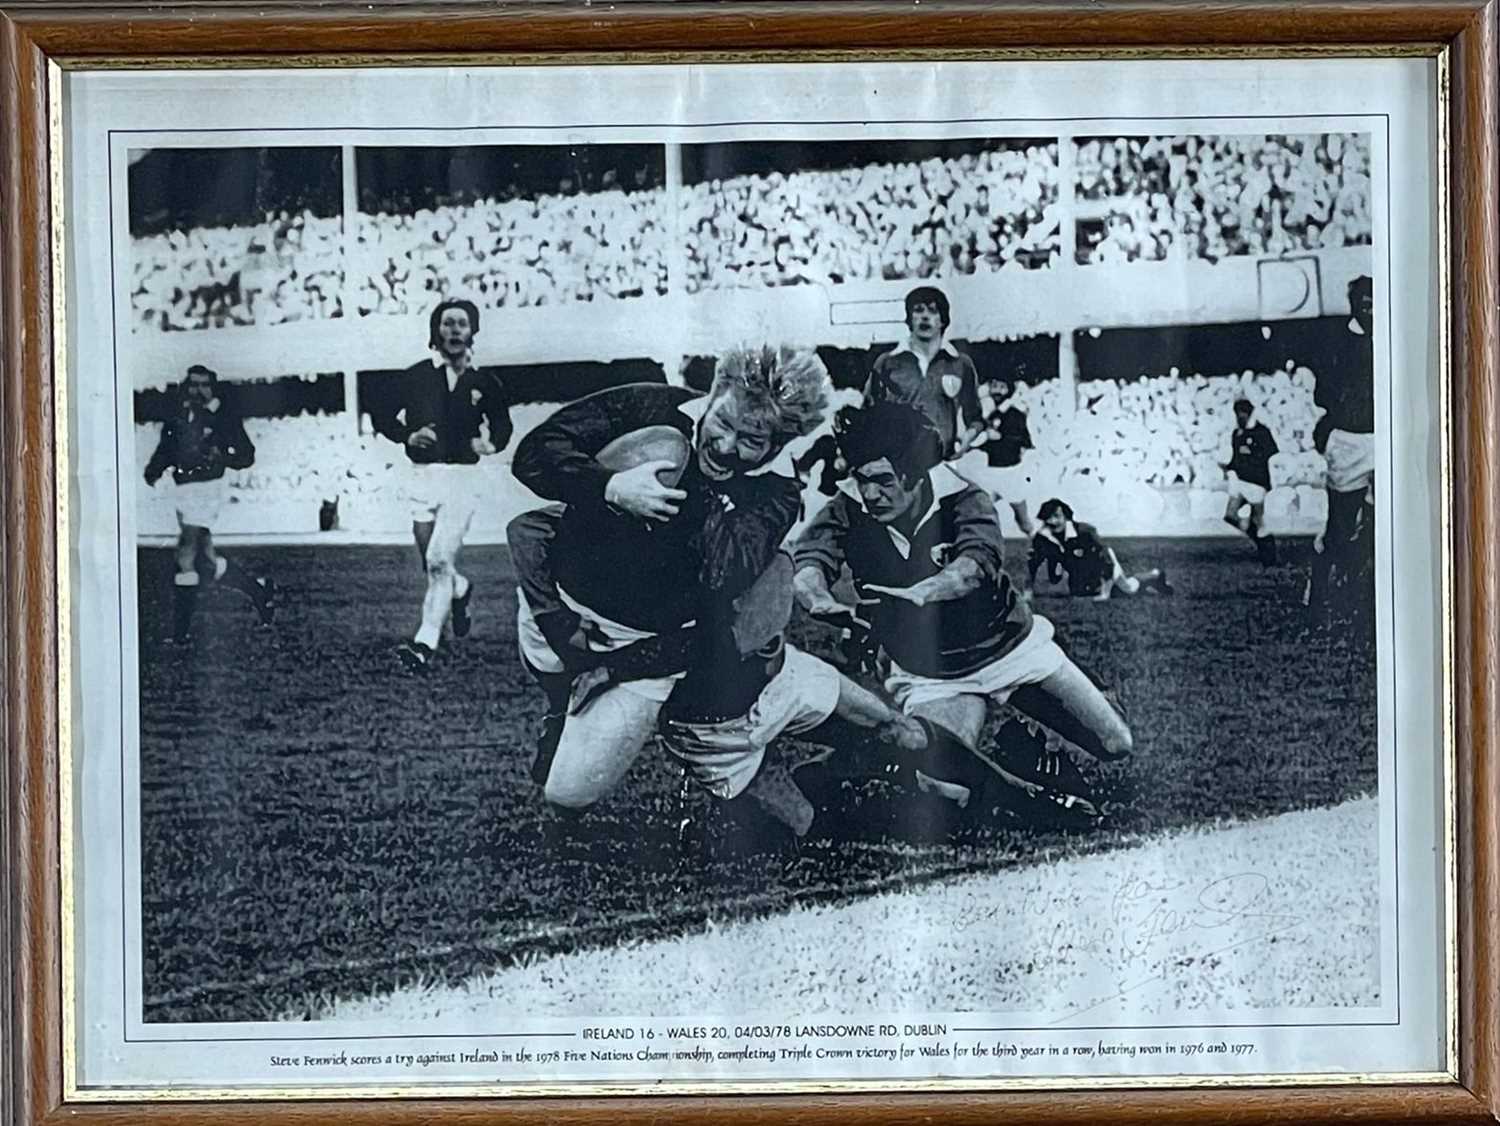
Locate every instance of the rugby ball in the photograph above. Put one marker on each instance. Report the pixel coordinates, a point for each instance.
(650, 443)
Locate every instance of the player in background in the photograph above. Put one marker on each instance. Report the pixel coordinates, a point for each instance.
(446, 413)
(1247, 462)
(931, 375)
(1068, 551)
(998, 465)
(1346, 437)
(927, 547)
(824, 445)
(202, 437)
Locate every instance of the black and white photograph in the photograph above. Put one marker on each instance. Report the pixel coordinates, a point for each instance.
(856, 602)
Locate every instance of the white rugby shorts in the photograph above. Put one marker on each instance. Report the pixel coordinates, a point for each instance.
(198, 503)
(1035, 659)
(540, 655)
(724, 757)
(453, 489)
(1351, 461)
(1246, 491)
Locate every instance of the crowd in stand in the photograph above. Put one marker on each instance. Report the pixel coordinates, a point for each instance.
(1215, 197)
(1170, 430)
(976, 212)
(514, 253)
(287, 268)
(1137, 198)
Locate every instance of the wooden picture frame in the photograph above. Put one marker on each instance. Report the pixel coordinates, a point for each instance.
(36, 36)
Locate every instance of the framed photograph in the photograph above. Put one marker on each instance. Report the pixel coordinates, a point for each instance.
(853, 562)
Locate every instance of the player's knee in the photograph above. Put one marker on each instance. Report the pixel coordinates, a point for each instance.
(1117, 740)
(561, 792)
(440, 565)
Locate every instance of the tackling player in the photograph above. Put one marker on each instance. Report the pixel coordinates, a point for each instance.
(927, 546)
(1248, 466)
(204, 436)
(1069, 551)
(447, 414)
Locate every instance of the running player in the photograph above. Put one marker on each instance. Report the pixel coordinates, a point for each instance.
(1068, 551)
(446, 413)
(1248, 470)
(927, 547)
(203, 437)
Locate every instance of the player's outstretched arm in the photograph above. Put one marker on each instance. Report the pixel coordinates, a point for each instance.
(961, 577)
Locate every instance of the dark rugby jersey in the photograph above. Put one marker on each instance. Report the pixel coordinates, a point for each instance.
(1347, 393)
(947, 390)
(650, 575)
(1252, 448)
(199, 443)
(1081, 556)
(941, 639)
(1005, 447)
(422, 398)
(729, 653)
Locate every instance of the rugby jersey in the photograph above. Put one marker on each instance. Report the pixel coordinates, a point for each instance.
(1080, 555)
(1347, 393)
(1251, 450)
(200, 443)
(946, 391)
(422, 397)
(941, 639)
(651, 575)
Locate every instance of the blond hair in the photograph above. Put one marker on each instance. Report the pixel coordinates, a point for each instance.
(788, 387)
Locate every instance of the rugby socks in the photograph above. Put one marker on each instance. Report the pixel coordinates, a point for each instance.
(226, 573)
(948, 759)
(184, 598)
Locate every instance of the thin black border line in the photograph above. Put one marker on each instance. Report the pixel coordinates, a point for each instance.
(114, 349)
(110, 134)
(859, 122)
(1390, 431)
(412, 1036)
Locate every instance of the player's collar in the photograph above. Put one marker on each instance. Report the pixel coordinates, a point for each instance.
(945, 348)
(944, 484)
(440, 362)
(1070, 531)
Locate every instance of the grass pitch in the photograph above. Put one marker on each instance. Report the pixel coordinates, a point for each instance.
(317, 825)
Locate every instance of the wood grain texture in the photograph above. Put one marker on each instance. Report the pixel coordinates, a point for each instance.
(29, 602)
(1475, 426)
(230, 28)
(32, 32)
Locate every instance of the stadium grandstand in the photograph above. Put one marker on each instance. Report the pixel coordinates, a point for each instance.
(598, 264)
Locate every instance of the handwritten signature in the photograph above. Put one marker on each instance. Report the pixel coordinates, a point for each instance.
(1146, 931)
